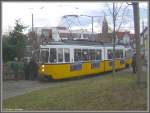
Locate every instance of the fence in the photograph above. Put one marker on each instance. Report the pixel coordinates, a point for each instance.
(8, 73)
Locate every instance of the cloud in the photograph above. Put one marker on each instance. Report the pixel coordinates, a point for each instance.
(49, 14)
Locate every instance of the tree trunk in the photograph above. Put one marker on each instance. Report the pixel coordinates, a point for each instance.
(137, 41)
(114, 38)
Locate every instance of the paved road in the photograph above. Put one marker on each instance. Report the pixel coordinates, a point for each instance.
(14, 88)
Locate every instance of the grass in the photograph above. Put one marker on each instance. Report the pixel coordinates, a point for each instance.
(90, 94)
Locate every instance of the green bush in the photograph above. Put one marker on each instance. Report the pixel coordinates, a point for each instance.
(7, 70)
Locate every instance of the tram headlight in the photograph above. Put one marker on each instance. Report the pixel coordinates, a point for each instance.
(43, 66)
(42, 69)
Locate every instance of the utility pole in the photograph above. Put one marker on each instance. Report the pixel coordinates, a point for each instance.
(92, 23)
(32, 22)
(34, 38)
(92, 26)
(137, 41)
(92, 19)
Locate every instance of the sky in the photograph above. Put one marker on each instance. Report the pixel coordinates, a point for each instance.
(50, 14)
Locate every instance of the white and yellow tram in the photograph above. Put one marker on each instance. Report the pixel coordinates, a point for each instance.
(66, 60)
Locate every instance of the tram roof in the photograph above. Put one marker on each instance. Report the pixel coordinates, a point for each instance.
(81, 43)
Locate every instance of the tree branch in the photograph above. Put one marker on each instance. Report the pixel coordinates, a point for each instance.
(122, 17)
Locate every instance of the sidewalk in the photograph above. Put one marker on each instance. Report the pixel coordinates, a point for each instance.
(14, 88)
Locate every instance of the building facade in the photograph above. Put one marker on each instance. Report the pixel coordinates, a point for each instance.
(145, 43)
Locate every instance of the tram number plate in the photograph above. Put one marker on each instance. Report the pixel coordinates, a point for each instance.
(95, 65)
(74, 67)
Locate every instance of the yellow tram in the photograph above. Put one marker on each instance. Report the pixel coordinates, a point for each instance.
(61, 60)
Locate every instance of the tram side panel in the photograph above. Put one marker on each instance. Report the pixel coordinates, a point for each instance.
(55, 71)
(128, 57)
(128, 61)
(108, 59)
(87, 68)
(119, 60)
(61, 71)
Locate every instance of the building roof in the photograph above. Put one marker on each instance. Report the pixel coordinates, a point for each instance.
(121, 34)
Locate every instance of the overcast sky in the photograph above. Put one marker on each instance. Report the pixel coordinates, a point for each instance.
(49, 14)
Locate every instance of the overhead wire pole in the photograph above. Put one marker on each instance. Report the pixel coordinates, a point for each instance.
(92, 23)
(92, 19)
(69, 26)
(34, 35)
(32, 22)
(32, 32)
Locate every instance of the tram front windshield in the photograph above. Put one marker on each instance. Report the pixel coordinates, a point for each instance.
(44, 55)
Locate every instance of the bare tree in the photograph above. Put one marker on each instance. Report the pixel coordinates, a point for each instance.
(117, 13)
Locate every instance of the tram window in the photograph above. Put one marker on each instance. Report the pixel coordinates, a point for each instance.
(77, 55)
(92, 54)
(125, 53)
(117, 53)
(98, 55)
(121, 53)
(67, 55)
(44, 55)
(85, 54)
(109, 54)
(60, 54)
(128, 53)
(53, 55)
